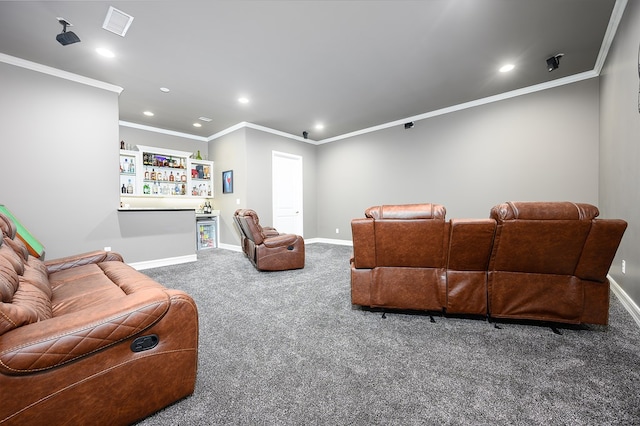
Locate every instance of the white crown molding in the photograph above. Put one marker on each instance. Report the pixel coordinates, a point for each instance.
(44, 69)
(612, 28)
(163, 131)
(247, 125)
(496, 98)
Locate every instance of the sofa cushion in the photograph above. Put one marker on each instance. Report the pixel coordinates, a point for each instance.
(14, 259)
(18, 246)
(26, 298)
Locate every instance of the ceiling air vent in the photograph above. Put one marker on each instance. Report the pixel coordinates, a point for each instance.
(117, 21)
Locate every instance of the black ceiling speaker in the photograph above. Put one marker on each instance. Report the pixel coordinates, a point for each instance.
(554, 62)
(66, 37)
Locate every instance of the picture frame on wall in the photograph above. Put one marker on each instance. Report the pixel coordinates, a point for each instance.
(227, 182)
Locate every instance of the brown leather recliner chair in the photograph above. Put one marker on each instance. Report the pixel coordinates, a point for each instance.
(266, 248)
(550, 262)
(87, 338)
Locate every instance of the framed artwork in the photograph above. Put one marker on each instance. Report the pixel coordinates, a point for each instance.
(227, 182)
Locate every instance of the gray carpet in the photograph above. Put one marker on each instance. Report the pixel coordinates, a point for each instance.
(287, 348)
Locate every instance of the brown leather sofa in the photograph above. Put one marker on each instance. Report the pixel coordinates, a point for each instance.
(87, 339)
(530, 260)
(266, 248)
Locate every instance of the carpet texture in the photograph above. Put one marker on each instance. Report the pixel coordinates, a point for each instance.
(287, 348)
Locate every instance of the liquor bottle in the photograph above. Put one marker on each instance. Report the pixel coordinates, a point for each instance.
(132, 166)
(153, 174)
(183, 178)
(126, 165)
(123, 189)
(129, 188)
(146, 175)
(171, 177)
(198, 157)
(146, 189)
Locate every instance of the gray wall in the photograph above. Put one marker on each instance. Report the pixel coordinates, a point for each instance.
(260, 146)
(248, 152)
(59, 160)
(620, 145)
(229, 153)
(542, 146)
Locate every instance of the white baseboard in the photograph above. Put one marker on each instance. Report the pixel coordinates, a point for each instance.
(156, 263)
(230, 247)
(626, 301)
(328, 241)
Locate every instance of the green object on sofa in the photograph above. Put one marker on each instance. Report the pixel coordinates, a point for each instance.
(33, 245)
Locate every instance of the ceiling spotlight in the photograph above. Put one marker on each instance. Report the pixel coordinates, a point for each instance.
(554, 62)
(305, 134)
(66, 37)
(408, 125)
(507, 68)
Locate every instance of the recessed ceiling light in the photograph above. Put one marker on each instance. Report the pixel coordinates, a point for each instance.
(148, 113)
(197, 125)
(507, 67)
(105, 52)
(319, 126)
(165, 89)
(243, 100)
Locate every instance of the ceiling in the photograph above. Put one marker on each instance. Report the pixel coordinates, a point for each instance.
(350, 65)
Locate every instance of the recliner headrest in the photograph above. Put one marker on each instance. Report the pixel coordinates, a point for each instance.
(407, 211)
(545, 210)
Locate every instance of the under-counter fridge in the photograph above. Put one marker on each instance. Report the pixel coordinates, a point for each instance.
(206, 232)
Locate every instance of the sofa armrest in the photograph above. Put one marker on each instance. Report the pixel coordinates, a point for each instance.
(48, 344)
(281, 240)
(56, 265)
(364, 247)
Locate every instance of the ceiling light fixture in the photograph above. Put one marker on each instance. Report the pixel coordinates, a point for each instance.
(197, 125)
(243, 100)
(554, 62)
(66, 37)
(164, 90)
(507, 68)
(148, 113)
(105, 52)
(319, 126)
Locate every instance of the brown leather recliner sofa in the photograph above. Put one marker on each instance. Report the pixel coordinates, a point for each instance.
(266, 248)
(545, 261)
(87, 339)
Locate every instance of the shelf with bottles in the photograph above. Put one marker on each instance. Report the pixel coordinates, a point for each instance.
(201, 177)
(159, 172)
(129, 177)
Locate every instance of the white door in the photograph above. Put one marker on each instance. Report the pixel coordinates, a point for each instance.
(287, 193)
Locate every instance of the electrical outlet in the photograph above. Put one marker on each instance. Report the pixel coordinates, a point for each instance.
(337, 231)
(238, 201)
(624, 267)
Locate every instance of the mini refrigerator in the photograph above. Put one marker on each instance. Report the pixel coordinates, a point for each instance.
(206, 233)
